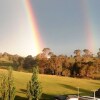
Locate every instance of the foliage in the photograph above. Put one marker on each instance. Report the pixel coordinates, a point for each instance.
(29, 62)
(7, 87)
(34, 90)
(97, 93)
(79, 65)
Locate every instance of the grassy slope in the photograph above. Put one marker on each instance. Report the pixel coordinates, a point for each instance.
(54, 85)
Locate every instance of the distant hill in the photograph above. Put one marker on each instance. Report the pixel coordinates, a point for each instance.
(7, 59)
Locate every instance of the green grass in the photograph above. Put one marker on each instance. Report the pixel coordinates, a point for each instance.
(54, 85)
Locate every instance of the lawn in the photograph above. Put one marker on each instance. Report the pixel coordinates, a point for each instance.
(54, 85)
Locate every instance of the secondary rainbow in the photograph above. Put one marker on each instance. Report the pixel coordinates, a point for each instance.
(38, 43)
(88, 23)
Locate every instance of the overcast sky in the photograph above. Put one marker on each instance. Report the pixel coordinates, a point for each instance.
(64, 25)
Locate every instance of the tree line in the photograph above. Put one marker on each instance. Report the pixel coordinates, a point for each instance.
(81, 64)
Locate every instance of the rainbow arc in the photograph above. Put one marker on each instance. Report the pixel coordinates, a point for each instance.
(37, 39)
(88, 23)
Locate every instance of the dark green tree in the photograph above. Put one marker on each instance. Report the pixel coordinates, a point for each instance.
(34, 90)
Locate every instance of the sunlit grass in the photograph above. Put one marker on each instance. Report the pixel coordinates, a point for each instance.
(54, 85)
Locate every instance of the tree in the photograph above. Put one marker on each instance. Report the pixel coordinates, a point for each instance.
(75, 71)
(51, 54)
(98, 53)
(87, 56)
(83, 70)
(7, 88)
(29, 62)
(34, 89)
(77, 55)
(46, 51)
(20, 63)
(87, 52)
(77, 52)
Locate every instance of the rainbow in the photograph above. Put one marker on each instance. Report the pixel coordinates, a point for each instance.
(88, 26)
(37, 41)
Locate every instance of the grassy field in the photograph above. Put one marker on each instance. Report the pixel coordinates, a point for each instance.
(54, 85)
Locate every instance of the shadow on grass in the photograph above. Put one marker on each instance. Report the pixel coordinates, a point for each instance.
(20, 98)
(23, 91)
(82, 91)
(47, 97)
(95, 83)
(43, 97)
